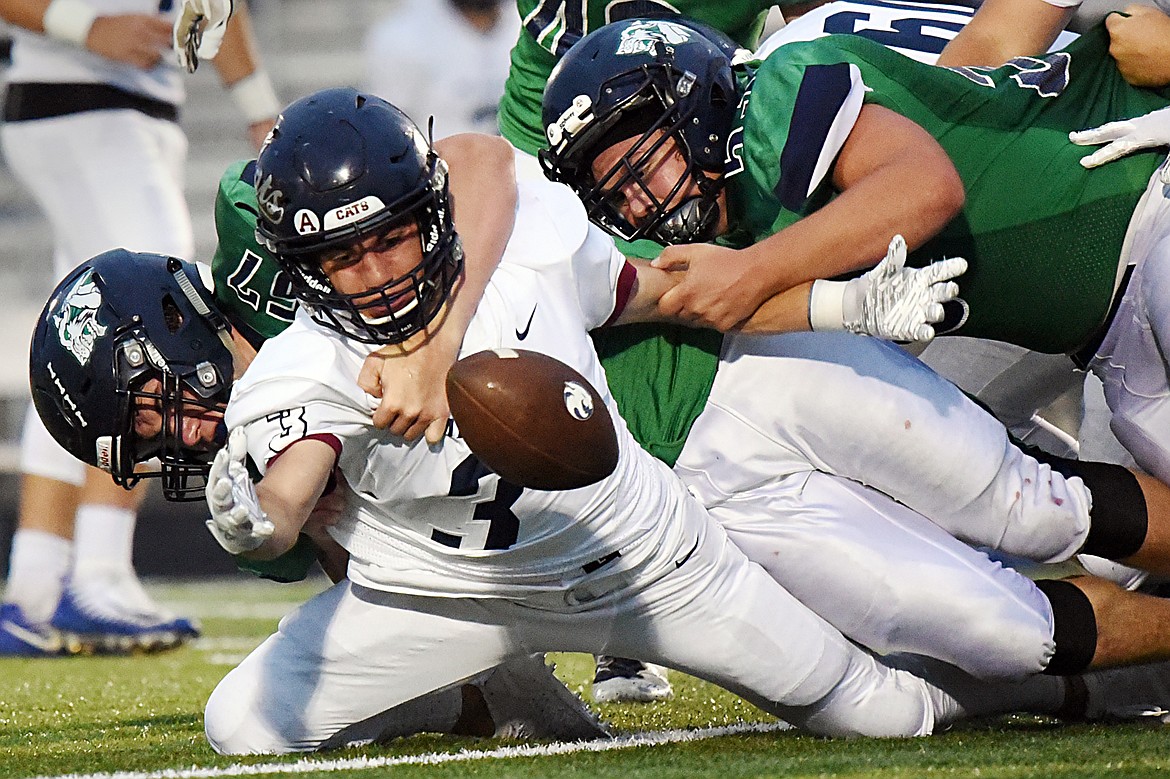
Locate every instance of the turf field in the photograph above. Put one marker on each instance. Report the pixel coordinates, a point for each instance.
(142, 717)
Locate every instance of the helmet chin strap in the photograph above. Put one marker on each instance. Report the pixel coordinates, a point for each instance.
(695, 220)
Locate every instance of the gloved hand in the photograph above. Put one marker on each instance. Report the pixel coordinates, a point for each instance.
(237, 521)
(199, 30)
(889, 301)
(1125, 137)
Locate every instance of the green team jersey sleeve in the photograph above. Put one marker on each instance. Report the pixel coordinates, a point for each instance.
(550, 27)
(250, 288)
(253, 293)
(1042, 234)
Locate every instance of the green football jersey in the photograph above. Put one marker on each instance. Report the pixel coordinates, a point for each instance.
(1042, 235)
(550, 27)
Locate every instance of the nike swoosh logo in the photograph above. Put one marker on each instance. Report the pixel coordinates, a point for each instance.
(522, 334)
(32, 638)
(687, 556)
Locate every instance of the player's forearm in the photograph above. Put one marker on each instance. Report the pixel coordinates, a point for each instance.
(1003, 29)
(28, 14)
(289, 492)
(483, 189)
(786, 312)
(239, 55)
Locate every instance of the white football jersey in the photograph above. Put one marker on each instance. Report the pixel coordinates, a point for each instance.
(432, 519)
(38, 58)
(918, 30)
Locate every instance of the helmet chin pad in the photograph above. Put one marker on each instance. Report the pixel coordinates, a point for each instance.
(695, 220)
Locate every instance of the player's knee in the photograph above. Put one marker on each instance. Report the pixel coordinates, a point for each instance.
(1075, 633)
(232, 724)
(1004, 647)
(1047, 513)
(1118, 519)
(872, 700)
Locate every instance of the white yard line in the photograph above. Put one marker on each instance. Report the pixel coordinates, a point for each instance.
(314, 765)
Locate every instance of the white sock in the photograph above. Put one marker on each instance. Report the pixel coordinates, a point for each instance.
(37, 567)
(103, 539)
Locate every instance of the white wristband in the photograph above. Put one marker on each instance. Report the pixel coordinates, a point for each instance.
(1064, 3)
(69, 21)
(826, 305)
(254, 95)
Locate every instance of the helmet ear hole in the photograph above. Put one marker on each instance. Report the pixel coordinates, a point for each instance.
(172, 316)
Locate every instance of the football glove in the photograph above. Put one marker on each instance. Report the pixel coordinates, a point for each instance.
(192, 42)
(1125, 137)
(889, 301)
(237, 521)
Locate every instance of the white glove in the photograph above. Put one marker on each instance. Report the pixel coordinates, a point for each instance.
(237, 521)
(191, 43)
(889, 301)
(1126, 137)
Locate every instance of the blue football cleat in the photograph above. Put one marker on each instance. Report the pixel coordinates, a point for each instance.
(96, 620)
(21, 637)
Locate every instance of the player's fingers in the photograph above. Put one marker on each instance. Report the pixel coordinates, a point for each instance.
(370, 375)
(941, 293)
(933, 312)
(238, 445)
(435, 431)
(924, 333)
(948, 269)
(1109, 153)
(1110, 131)
(220, 493)
(671, 302)
(386, 413)
(671, 260)
(417, 429)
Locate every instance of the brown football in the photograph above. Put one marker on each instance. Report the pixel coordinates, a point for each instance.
(532, 419)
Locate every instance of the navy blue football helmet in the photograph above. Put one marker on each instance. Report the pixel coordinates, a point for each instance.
(113, 324)
(655, 80)
(338, 167)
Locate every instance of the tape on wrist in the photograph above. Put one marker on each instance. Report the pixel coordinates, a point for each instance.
(826, 305)
(69, 21)
(1064, 3)
(254, 96)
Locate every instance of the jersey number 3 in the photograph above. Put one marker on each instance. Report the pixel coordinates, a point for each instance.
(503, 525)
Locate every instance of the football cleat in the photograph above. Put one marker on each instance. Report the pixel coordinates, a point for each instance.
(621, 680)
(108, 619)
(526, 700)
(1128, 693)
(21, 637)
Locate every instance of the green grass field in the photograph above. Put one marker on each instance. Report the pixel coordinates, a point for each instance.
(143, 715)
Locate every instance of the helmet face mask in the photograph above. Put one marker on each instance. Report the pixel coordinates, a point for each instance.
(654, 81)
(340, 171)
(120, 341)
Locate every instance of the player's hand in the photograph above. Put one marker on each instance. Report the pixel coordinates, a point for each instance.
(1140, 42)
(237, 521)
(199, 30)
(138, 40)
(411, 381)
(1125, 137)
(898, 303)
(718, 289)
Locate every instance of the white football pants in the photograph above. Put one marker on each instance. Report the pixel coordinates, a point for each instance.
(793, 429)
(351, 653)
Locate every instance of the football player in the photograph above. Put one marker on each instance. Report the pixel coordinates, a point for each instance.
(91, 130)
(802, 167)
(136, 348)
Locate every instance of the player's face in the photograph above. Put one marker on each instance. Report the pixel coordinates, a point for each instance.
(641, 176)
(201, 427)
(381, 264)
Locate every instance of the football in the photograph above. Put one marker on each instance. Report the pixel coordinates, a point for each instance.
(532, 419)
